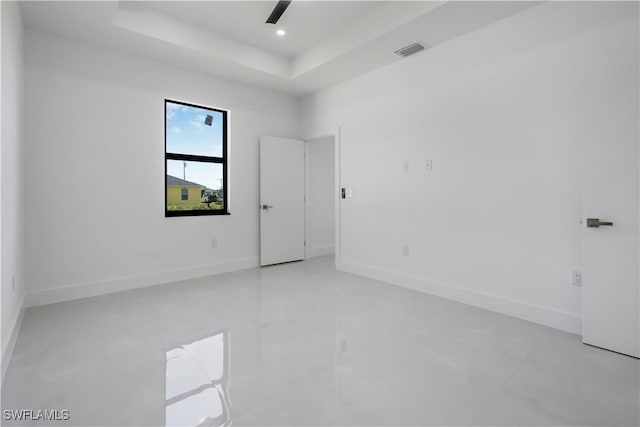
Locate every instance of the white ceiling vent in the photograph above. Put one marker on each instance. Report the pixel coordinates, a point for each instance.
(410, 49)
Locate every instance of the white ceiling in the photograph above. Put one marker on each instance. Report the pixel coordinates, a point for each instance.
(307, 23)
(327, 41)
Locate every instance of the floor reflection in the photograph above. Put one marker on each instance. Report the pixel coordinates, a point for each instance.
(196, 388)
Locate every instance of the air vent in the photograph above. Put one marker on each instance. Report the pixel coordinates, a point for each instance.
(409, 50)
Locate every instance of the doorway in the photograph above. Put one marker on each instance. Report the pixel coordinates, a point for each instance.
(320, 196)
(299, 203)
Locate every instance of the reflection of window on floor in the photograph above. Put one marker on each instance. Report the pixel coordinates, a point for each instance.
(197, 376)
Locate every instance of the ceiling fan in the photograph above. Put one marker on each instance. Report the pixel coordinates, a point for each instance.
(277, 12)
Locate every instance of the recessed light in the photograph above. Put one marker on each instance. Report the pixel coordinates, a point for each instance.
(281, 32)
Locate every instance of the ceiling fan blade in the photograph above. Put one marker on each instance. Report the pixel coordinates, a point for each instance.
(277, 12)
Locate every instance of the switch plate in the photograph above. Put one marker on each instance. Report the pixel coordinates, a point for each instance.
(349, 192)
(214, 242)
(428, 165)
(405, 250)
(576, 278)
(405, 166)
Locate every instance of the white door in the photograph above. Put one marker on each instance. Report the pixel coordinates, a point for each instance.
(281, 200)
(610, 280)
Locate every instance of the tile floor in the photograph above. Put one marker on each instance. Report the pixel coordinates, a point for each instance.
(303, 344)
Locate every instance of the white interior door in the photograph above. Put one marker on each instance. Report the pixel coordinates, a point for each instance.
(281, 200)
(610, 280)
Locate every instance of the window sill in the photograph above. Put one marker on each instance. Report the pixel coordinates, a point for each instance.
(173, 214)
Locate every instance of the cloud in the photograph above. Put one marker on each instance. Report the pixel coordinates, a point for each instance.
(198, 122)
(171, 110)
(176, 129)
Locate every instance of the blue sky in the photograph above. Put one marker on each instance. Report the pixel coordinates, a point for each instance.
(187, 133)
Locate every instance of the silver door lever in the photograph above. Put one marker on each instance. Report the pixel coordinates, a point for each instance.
(595, 222)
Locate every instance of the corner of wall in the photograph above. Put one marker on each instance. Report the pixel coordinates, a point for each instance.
(13, 337)
(12, 292)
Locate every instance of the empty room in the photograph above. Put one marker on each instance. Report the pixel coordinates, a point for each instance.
(320, 213)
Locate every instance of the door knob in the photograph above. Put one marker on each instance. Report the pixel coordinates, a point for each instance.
(595, 222)
(266, 207)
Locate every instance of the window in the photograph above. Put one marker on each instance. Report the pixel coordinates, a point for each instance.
(195, 140)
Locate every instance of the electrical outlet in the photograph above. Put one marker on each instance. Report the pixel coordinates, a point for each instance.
(405, 166)
(405, 250)
(214, 242)
(428, 165)
(576, 278)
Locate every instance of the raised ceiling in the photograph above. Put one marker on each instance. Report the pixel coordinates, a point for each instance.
(326, 42)
(307, 23)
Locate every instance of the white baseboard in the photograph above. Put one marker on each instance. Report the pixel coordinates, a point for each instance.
(319, 251)
(90, 289)
(8, 351)
(557, 319)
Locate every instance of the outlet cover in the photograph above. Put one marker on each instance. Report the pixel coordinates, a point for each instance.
(576, 278)
(428, 165)
(405, 250)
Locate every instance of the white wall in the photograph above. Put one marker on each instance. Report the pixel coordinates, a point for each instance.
(11, 177)
(496, 222)
(320, 178)
(95, 183)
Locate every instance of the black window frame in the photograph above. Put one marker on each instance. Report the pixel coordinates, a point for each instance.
(197, 158)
